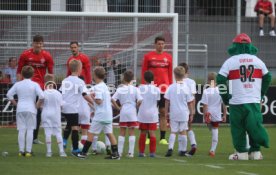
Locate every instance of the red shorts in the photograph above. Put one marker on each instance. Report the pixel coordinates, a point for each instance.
(82, 126)
(128, 124)
(148, 126)
(215, 124)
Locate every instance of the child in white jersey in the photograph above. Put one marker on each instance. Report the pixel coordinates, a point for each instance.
(27, 91)
(72, 89)
(51, 115)
(129, 98)
(192, 86)
(102, 119)
(84, 115)
(179, 101)
(212, 103)
(148, 114)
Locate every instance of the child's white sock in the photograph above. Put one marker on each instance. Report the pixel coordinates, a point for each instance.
(191, 136)
(29, 143)
(171, 141)
(182, 142)
(84, 137)
(60, 143)
(107, 142)
(131, 144)
(94, 143)
(214, 139)
(21, 139)
(121, 141)
(48, 140)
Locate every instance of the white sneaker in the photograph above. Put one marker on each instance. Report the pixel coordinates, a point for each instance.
(130, 155)
(272, 33)
(49, 154)
(239, 156)
(36, 141)
(261, 33)
(256, 155)
(120, 154)
(62, 154)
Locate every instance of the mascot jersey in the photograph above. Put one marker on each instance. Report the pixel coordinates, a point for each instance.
(245, 73)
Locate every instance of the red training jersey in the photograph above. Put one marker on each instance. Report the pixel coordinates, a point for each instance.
(265, 5)
(161, 66)
(86, 70)
(40, 62)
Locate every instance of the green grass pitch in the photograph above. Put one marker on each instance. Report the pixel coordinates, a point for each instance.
(200, 163)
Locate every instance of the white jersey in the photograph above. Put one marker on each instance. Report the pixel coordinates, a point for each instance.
(26, 90)
(84, 112)
(72, 88)
(179, 95)
(51, 109)
(212, 99)
(245, 74)
(103, 112)
(191, 84)
(148, 111)
(128, 95)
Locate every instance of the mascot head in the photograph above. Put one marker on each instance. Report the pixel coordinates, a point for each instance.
(242, 45)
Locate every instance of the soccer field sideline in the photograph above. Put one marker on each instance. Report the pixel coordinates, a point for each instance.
(201, 163)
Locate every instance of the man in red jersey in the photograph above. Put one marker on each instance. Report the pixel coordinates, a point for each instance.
(263, 8)
(85, 75)
(160, 63)
(41, 61)
(77, 55)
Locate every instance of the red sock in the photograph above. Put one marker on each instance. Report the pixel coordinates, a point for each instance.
(83, 142)
(152, 144)
(142, 143)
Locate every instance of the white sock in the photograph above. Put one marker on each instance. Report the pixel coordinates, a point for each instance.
(191, 136)
(214, 139)
(84, 137)
(182, 142)
(60, 143)
(48, 140)
(121, 141)
(29, 141)
(107, 142)
(131, 140)
(21, 139)
(94, 143)
(171, 140)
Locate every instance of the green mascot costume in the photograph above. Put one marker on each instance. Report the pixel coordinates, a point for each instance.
(243, 80)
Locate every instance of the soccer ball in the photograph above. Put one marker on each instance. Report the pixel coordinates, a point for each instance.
(80, 146)
(100, 147)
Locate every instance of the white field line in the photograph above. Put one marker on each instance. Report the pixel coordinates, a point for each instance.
(246, 173)
(214, 166)
(118, 162)
(179, 160)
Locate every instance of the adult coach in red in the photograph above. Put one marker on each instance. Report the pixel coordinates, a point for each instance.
(41, 61)
(77, 55)
(160, 63)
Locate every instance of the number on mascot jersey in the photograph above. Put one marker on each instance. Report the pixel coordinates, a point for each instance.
(244, 71)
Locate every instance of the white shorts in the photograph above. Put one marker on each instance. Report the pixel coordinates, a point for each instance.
(97, 128)
(25, 120)
(49, 131)
(177, 126)
(84, 119)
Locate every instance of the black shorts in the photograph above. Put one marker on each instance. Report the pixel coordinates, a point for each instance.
(72, 119)
(161, 103)
(262, 13)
